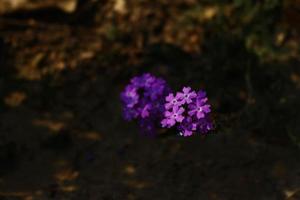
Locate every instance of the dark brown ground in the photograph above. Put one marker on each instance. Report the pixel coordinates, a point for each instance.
(62, 135)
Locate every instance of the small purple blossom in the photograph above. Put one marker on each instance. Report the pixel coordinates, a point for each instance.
(205, 125)
(187, 95)
(130, 96)
(156, 89)
(187, 127)
(173, 101)
(199, 108)
(145, 112)
(144, 80)
(173, 117)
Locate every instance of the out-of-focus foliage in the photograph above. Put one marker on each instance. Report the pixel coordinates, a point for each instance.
(9, 6)
(268, 28)
(263, 25)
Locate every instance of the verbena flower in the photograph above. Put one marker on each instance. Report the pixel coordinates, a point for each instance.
(143, 100)
(187, 95)
(205, 125)
(187, 127)
(149, 100)
(200, 107)
(173, 101)
(188, 111)
(130, 96)
(173, 117)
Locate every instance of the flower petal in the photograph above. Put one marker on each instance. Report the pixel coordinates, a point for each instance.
(170, 97)
(200, 115)
(168, 114)
(192, 112)
(193, 94)
(180, 110)
(168, 105)
(206, 108)
(186, 89)
(180, 118)
(187, 133)
(201, 94)
(171, 122)
(164, 122)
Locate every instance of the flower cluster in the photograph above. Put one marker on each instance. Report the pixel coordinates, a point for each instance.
(149, 100)
(188, 111)
(143, 99)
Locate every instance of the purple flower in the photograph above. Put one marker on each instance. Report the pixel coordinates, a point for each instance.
(172, 101)
(201, 94)
(199, 108)
(130, 114)
(187, 95)
(173, 117)
(157, 89)
(143, 81)
(149, 100)
(143, 100)
(187, 127)
(189, 111)
(145, 111)
(205, 125)
(186, 133)
(130, 96)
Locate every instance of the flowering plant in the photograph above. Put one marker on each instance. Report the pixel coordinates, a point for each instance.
(149, 100)
(143, 99)
(188, 111)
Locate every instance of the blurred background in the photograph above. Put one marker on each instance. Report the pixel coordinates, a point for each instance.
(63, 64)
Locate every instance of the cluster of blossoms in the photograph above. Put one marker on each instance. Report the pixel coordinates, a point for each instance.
(149, 100)
(143, 99)
(188, 111)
